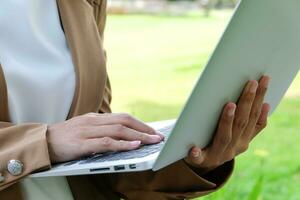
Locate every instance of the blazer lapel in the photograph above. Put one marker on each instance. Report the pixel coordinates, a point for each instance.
(89, 60)
(4, 114)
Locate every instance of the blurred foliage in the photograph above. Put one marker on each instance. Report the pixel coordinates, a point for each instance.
(214, 3)
(208, 5)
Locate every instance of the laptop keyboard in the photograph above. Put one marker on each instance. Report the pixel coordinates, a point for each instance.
(143, 151)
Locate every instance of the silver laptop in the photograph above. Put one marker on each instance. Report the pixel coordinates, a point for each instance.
(263, 37)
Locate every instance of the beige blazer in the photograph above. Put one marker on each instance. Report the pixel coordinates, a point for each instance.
(83, 22)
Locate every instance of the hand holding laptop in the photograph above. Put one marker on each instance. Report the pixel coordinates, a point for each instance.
(238, 125)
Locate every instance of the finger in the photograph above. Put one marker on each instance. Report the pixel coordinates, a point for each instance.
(222, 139)
(223, 136)
(106, 144)
(133, 123)
(121, 132)
(195, 157)
(257, 104)
(243, 110)
(124, 119)
(263, 119)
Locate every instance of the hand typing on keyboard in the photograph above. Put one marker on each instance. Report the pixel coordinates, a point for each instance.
(142, 151)
(98, 133)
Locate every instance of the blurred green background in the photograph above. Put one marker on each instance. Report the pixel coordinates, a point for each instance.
(153, 63)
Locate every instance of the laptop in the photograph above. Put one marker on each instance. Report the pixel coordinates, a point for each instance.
(262, 38)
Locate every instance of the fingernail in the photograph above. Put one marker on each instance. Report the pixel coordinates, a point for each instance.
(195, 153)
(160, 135)
(253, 87)
(135, 143)
(155, 138)
(266, 81)
(231, 110)
(268, 107)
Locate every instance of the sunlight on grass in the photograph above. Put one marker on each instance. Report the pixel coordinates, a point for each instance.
(165, 54)
(294, 91)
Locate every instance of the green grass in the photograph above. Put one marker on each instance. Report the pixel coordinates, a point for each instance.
(154, 62)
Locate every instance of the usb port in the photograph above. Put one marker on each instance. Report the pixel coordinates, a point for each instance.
(132, 166)
(119, 167)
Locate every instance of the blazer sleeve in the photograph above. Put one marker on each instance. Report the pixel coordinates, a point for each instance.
(26, 143)
(177, 181)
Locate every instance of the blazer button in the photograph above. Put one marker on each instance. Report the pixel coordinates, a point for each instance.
(1, 178)
(15, 167)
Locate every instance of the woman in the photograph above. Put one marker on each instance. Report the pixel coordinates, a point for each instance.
(53, 87)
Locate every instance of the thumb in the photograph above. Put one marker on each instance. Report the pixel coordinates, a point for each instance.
(195, 157)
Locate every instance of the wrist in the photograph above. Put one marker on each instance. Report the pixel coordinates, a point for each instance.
(49, 144)
(200, 169)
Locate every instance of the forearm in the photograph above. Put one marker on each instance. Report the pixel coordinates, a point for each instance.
(177, 181)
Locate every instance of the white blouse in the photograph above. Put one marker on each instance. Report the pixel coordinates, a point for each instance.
(40, 76)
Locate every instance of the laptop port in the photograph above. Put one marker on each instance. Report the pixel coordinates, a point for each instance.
(119, 167)
(100, 169)
(132, 166)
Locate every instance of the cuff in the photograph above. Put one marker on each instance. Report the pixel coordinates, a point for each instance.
(177, 181)
(26, 144)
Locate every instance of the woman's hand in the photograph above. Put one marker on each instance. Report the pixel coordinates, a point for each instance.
(238, 125)
(97, 133)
